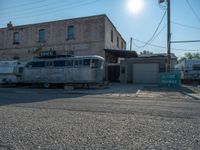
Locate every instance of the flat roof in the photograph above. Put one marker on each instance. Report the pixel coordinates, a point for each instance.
(70, 19)
(122, 53)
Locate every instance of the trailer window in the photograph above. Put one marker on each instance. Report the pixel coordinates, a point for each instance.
(69, 63)
(76, 63)
(95, 63)
(38, 64)
(86, 62)
(20, 69)
(49, 63)
(80, 62)
(29, 65)
(196, 67)
(59, 63)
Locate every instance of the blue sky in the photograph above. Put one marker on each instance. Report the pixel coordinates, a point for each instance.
(140, 26)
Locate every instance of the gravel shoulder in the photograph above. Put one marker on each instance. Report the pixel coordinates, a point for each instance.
(49, 119)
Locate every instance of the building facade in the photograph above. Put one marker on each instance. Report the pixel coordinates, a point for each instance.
(145, 69)
(80, 36)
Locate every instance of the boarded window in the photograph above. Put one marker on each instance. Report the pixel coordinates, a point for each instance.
(59, 63)
(70, 32)
(16, 38)
(42, 35)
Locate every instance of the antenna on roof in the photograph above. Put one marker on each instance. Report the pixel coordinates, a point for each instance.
(10, 25)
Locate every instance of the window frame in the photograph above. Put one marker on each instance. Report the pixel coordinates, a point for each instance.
(112, 35)
(118, 41)
(69, 65)
(71, 32)
(86, 65)
(43, 66)
(42, 37)
(59, 62)
(16, 38)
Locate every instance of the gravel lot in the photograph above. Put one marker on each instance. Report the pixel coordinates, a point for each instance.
(52, 119)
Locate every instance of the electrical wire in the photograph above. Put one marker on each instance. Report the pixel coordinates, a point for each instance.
(163, 47)
(33, 9)
(159, 33)
(183, 25)
(152, 37)
(24, 4)
(193, 11)
(58, 9)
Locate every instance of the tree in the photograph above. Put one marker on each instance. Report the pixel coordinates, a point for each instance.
(146, 52)
(189, 56)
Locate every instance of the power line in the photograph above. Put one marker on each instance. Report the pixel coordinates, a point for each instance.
(163, 47)
(57, 10)
(159, 33)
(33, 9)
(24, 4)
(48, 10)
(153, 38)
(184, 25)
(193, 11)
(146, 43)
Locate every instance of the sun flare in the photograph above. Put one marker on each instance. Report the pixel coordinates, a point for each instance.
(135, 6)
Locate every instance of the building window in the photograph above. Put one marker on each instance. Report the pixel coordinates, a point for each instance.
(70, 33)
(16, 38)
(42, 35)
(122, 45)
(117, 41)
(111, 35)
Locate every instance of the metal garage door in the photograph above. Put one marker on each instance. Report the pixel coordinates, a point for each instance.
(145, 73)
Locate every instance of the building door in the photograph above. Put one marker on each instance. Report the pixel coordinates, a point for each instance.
(113, 73)
(145, 73)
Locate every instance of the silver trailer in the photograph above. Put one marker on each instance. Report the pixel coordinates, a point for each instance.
(10, 71)
(190, 69)
(64, 70)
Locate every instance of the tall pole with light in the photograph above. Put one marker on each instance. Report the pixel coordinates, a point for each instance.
(168, 65)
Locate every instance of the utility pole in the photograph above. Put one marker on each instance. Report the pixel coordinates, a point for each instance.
(131, 41)
(168, 68)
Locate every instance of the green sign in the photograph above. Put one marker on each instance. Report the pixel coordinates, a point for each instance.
(171, 79)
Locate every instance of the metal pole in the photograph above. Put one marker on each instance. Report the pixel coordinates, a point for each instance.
(131, 42)
(168, 37)
(191, 41)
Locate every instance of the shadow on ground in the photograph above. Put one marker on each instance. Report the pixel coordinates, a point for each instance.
(15, 95)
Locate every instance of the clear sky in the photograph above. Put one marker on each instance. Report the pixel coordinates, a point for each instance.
(140, 25)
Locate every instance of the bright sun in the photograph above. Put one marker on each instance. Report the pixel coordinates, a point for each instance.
(135, 6)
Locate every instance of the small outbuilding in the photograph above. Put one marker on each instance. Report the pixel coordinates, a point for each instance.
(144, 69)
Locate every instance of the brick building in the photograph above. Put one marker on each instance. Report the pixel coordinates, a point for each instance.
(81, 36)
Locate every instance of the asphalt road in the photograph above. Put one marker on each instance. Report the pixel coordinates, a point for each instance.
(45, 119)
